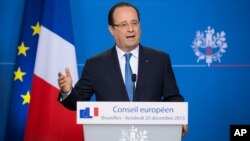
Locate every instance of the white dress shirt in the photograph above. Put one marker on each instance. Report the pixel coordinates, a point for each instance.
(133, 61)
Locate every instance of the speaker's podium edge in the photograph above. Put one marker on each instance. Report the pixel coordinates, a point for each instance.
(153, 130)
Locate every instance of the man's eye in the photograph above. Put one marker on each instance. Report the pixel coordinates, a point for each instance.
(123, 25)
(134, 23)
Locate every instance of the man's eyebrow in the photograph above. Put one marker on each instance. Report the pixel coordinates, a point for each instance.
(130, 21)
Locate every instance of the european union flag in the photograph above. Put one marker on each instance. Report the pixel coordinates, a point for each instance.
(24, 68)
(85, 113)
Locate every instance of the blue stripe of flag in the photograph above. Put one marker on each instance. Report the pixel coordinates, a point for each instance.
(58, 18)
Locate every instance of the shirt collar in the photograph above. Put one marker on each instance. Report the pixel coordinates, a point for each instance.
(134, 52)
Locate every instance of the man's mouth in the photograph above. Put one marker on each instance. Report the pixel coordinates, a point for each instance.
(130, 37)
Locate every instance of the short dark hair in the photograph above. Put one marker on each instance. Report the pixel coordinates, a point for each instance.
(121, 4)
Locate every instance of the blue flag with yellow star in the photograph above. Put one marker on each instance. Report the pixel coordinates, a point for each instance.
(23, 72)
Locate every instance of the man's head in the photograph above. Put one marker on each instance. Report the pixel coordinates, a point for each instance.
(124, 25)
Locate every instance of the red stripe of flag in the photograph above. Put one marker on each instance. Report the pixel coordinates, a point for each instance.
(96, 112)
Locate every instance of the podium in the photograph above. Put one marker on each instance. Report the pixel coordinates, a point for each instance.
(132, 121)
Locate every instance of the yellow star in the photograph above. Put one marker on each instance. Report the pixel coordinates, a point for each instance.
(22, 49)
(19, 74)
(36, 29)
(26, 98)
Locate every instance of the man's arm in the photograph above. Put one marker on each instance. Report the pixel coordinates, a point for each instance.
(82, 91)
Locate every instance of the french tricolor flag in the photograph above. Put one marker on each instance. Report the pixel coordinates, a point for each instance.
(94, 112)
(47, 118)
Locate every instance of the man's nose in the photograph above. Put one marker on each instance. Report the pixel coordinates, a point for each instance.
(130, 28)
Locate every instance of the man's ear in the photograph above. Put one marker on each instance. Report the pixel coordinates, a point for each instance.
(111, 29)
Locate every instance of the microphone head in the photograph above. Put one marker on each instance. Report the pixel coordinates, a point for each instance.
(133, 77)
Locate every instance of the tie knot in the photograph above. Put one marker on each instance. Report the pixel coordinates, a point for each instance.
(128, 56)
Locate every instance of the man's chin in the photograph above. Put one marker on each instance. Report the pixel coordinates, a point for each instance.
(132, 45)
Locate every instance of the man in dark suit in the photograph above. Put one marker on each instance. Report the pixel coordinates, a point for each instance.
(106, 75)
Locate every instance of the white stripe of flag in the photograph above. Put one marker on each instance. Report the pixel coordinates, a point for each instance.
(53, 55)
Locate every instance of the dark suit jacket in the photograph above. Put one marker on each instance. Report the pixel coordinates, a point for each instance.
(102, 75)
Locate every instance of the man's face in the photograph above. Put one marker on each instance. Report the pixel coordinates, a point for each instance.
(126, 29)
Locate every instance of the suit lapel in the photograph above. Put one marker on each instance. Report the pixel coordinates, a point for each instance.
(115, 72)
(143, 67)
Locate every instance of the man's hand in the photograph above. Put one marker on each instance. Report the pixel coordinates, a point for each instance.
(65, 81)
(184, 130)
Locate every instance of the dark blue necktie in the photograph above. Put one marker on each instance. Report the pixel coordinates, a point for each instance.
(128, 77)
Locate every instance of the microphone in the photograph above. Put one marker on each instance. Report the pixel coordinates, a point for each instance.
(133, 80)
